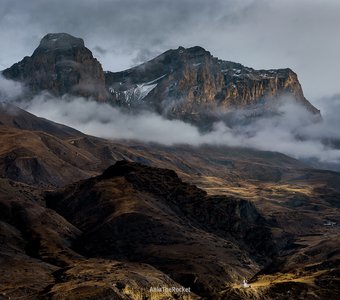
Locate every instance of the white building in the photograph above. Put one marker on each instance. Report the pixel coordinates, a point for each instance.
(245, 284)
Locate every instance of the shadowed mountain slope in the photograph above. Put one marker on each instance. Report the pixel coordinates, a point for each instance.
(37, 261)
(137, 213)
(134, 227)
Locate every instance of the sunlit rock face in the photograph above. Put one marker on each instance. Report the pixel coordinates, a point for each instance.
(192, 84)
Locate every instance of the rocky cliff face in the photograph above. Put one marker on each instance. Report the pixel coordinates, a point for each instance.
(61, 64)
(190, 83)
(187, 84)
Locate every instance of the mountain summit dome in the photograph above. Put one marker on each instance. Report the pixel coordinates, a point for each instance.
(63, 41)
(61, 64)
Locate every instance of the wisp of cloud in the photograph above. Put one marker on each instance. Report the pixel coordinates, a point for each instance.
(9, 89)
(292, 131)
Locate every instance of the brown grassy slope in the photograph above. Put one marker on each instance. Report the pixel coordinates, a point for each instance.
(149, 215)
(37, 261)
(40, 159)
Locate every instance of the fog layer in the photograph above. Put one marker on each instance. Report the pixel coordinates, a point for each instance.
(292, 131)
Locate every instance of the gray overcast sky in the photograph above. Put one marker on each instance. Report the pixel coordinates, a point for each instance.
(301, 34)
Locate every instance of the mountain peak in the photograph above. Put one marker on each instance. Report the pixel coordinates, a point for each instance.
(195, 52)
(192, 85)
(194, 49)
(61, 64)
(63, 41)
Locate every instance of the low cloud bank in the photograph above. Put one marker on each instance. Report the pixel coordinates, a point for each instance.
(292, 130)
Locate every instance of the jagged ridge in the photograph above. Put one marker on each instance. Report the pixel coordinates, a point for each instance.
(188, 84)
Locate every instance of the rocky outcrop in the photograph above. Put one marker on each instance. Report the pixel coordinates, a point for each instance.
(61, 64)
(192, 84)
